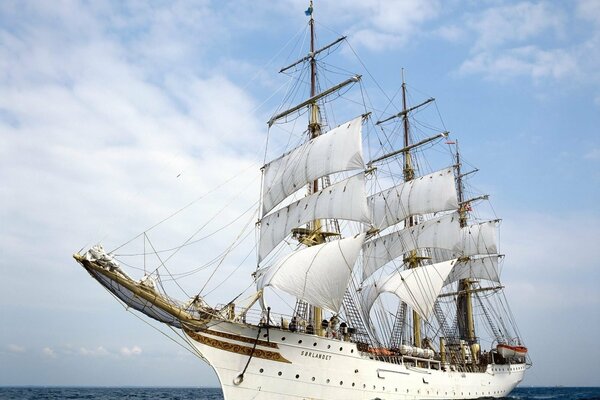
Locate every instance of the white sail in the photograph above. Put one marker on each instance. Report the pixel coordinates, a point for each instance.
(337, 150)
(442, 232)
(478, 239)
(428, 194)
(418, 287)
(344, 200)
(477, 268)
(318, 275)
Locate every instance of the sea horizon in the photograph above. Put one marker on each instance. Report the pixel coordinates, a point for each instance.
(57, 392)
(218, 387)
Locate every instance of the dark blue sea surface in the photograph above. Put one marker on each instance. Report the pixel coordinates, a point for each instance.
(76, 393)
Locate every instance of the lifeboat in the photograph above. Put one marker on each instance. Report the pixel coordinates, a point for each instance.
(508, 351)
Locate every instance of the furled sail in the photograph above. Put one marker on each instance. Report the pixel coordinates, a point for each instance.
(337, 150)
(428, 194)
(475, 268)
(443, 232)
(418, 287)
(318, 275)
(346, 199)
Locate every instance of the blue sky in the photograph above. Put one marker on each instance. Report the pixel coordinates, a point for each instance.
(112, 113)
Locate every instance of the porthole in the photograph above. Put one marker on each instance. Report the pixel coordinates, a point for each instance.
(373, 387)
(364, 386)
(297, 376)
(328, 346)
(265, 335)
(341, 382)
(299, 341)
(328, 380)
(351, 350)
(283, 338)
(352, 384)
(279, 373)
(315, 343)
(261, 370)
(313, 378)
(341, 348)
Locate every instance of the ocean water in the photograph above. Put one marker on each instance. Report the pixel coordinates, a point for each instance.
(76, 393)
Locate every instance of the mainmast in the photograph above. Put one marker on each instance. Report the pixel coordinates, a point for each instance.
(412, 259)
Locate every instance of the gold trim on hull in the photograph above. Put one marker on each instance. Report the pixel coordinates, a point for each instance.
(236, 348)
(238, 338)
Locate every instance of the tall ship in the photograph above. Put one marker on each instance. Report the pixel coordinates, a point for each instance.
(390, 271)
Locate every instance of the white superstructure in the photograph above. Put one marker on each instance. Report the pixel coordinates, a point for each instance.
(288, 365)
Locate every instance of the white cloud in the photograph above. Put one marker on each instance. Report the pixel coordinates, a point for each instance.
(589, 10)
(519, 40)
(15, 348)
(592, 154)
(523, 61)
(99, 351)
(381, 24)
(451, 33)
(519, 22)
(129, 352)
(48, 352)
(86, 119)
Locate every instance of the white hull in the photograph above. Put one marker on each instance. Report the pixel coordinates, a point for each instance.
(329, 369)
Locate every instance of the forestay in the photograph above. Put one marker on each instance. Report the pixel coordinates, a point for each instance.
(428, 194)
(418, 287)
(442, 232)
(318, 275)
(346, 199)
(476, 268)
(337, 150)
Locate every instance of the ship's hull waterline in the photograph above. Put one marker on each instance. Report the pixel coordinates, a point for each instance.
(290, 365)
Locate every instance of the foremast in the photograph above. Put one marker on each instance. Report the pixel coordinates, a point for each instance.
(314, 130)
(464, 302)
(315, 232)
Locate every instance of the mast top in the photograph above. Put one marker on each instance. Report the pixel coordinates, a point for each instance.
(309, 10)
